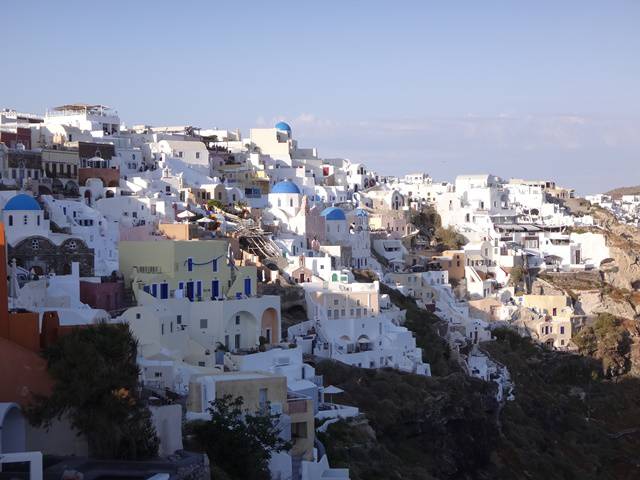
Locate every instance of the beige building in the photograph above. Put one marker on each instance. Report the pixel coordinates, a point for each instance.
(259, 391)
(453, 262)
(554, 326)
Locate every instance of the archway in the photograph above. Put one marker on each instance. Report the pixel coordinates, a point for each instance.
(12, 429)
(71, 189)
(56, 185)
(44, 190)
(270, 327)
(243, 330)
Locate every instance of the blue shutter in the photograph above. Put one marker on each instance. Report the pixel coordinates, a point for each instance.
(215, 289)
(199, 290)
(247, 286)
(164, 290)
(214, 264)
(190, 264)
(190, 291)
(154, 289)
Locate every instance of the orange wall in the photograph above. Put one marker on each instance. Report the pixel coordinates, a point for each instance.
(23, 373)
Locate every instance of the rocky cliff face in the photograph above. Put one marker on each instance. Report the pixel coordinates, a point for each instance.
(623, 271)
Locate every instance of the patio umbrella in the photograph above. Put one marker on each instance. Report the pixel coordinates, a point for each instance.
(186, 214)
(332, 390)
(205, 220)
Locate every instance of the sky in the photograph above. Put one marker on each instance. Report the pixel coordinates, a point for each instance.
(544, 89)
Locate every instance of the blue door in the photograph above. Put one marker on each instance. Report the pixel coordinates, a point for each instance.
(190, 291)
(199, 290)
(215, 289)
(164, 290)
(247, 286)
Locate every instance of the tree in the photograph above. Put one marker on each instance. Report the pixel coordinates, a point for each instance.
(449, 238)
(96, 387)
(238, 442)
(214, 204)
(516, 276)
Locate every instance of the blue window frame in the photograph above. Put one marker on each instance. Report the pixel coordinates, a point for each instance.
(190, 264)
(215, 289)
(190, 291)
(214, 264)
(164, 290)
(247, 286)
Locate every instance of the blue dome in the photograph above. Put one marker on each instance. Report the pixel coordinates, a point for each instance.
(22, 202)
(283, 126)
(286, 186)
(333, 213)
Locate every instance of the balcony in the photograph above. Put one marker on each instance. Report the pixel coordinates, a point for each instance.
(296, 403)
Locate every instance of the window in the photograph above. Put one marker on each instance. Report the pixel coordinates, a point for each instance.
(162, 329)
(262, 398)
(38, 220)
(204, 323)
(237, 341)
(561, 330)
(237, 319)
(10, 220)
(190, 264)
(197, 155)
(35, 244)
(329, 313)
(137, 316)
(335, 302)
(299, 430)
(72, 244)
(25, 220)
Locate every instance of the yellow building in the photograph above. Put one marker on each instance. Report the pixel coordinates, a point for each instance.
(259, 391)
(555, 327)
(195, 269)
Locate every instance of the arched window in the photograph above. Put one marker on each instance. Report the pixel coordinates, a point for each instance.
(10, 220)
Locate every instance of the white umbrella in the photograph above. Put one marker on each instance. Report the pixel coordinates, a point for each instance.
(332, 390)
(205, 220)
(186, 214)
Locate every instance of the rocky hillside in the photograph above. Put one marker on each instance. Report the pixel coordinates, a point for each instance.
(568, 421)
(617, 193)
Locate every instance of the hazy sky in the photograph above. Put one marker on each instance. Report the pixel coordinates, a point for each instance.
(529, 89)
